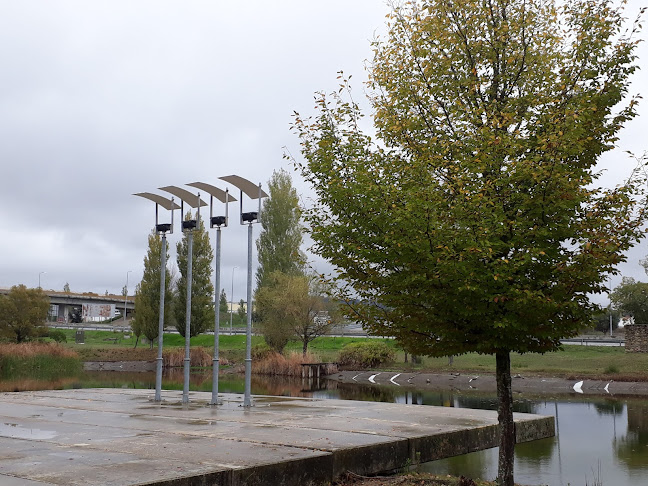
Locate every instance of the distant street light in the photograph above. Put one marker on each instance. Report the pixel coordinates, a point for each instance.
(610, 306)
(232, 300)
(39, 279)
(126, 295)
(188, 227)
(162, 229)
(217, 222)
(253, 191)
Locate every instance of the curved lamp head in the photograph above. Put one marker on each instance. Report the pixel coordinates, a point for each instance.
(167, 204)
(222, 196)
(252, 190)
(191, 199)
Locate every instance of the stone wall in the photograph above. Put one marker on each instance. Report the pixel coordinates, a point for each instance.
(636, 338)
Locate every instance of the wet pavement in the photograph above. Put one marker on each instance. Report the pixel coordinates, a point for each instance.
(123, 437)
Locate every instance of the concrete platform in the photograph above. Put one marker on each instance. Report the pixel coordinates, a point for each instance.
(122, 437)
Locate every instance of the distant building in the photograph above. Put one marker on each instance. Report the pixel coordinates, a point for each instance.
(90, 306)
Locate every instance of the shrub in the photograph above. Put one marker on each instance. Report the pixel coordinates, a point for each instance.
(57, 335)
(366, 354)
(262, 351)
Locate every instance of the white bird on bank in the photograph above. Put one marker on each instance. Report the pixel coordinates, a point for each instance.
(578, 387)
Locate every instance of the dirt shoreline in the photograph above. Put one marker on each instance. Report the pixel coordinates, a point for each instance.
(119, 366)
(486, 383)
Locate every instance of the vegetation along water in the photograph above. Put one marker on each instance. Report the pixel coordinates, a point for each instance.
(599, 438)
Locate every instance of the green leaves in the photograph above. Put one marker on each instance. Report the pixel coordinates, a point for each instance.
(22, 312)
(279, 243)
(202, 289)
(470, 223)
(147, 292)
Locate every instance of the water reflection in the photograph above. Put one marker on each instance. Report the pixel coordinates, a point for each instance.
(632, 449)
(610, 406)
(26, 384)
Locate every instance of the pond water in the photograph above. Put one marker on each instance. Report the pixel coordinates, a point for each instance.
(600, 440)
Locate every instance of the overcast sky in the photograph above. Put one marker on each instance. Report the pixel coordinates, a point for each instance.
(102, 99)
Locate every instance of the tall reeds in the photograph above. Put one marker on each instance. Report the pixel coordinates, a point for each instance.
(29, 350)
(199, 358)
(37, 360)
(278, 364)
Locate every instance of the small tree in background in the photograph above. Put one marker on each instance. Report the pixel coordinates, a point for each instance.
(280, 240)
(278, 249)
(294, 307)
(23, 313)
(202, 289)
(242, 310)
(630, 298)
(223, 306)
(601, 320)
(474, 223)
(147, 293)
(66, 288)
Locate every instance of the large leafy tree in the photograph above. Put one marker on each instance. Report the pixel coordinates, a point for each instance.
(473, 222)
(278, 245)
(147, 292)
(202, 289)
(23, 312)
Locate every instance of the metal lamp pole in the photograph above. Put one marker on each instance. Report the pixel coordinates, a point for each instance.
(218, 222)
(39, 281)
(126, 296)
(232, 300)
(247, 400)
(158, 367)
(610, 307)
(253, 191)
(188, 227)
(161, 229)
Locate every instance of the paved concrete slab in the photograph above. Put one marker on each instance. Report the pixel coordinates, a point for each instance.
(122, 437)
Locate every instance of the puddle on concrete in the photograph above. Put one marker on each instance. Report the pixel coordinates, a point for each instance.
(197, 422)
(19, 432)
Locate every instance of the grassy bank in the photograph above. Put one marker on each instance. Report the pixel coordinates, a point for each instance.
(572, 361)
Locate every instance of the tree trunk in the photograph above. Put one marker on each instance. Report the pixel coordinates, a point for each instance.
(505, 418)
(304, 347)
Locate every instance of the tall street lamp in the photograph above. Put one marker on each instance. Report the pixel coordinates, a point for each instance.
(253, 191)
(160, 229)
(188, 226)
(126, 295)
(39, 279)
(232, 299)
(216, 222)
